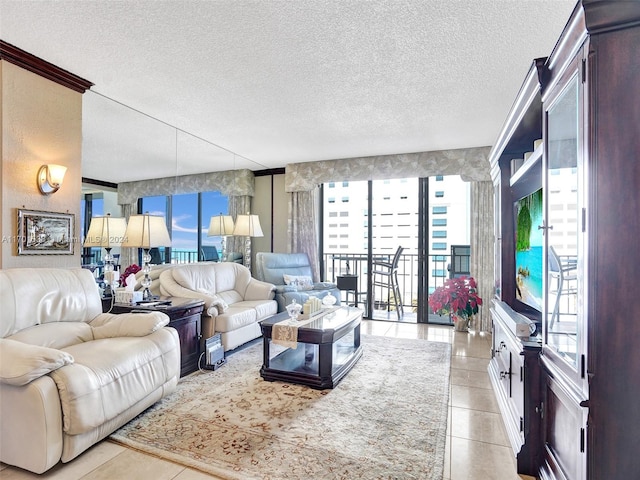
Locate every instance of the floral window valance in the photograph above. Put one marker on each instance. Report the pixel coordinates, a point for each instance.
(470, 163)
(230, 182)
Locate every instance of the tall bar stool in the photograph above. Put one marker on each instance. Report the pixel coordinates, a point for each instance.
(385, 275)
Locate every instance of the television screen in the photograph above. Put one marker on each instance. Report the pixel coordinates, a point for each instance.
(528, 216)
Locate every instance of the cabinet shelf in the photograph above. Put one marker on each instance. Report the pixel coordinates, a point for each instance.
(535, 160)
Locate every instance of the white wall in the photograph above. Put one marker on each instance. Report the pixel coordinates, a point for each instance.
(41, 123)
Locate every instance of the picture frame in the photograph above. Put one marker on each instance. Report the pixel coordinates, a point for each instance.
(45, 233)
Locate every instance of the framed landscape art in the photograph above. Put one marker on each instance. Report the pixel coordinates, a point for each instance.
(45, 233)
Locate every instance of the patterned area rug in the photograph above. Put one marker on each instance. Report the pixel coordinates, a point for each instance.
(386, 419)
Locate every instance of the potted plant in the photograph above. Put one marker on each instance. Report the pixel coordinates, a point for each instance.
(459, 298)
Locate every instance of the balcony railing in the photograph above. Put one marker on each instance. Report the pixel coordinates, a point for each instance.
(438, 266)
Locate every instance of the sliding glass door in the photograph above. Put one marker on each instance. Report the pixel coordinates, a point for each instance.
(387, 242)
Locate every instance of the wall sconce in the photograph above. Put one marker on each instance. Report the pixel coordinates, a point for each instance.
(50, 178)
(222, 226)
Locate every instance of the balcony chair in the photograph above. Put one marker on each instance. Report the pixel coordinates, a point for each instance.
(562, 274)
(209, 253)
(385, 275)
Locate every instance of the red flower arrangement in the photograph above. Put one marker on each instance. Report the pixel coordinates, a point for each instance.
(458, 296)
(128, 271)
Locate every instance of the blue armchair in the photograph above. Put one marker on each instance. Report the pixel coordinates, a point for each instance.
(276, 268)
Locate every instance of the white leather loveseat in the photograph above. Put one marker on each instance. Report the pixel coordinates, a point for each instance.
(234, 301)
(70, 374)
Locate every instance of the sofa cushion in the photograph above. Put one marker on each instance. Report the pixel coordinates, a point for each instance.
(21, 363)
(230, 297)
(236, 316)
(110, 376)
(263, 308)
(55, 335)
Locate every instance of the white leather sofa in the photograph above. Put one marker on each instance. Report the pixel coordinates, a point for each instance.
(234, 301)
(70, 374)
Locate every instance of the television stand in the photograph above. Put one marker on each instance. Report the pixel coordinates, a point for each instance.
(515, 375)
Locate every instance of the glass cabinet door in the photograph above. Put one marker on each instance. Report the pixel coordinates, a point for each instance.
(563, 328)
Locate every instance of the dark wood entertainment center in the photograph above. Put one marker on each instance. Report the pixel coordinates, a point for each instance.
(569, 394)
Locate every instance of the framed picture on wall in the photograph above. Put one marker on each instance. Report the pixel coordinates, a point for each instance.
(45, 233)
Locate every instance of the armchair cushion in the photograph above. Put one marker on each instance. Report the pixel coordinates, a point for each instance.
(22, 363)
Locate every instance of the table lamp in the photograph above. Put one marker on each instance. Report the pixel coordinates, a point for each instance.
(146, 231)
(108, 232)
(221, 225)
(248, 226)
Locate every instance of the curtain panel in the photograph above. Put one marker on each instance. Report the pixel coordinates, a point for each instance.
(302, 228)
(482, 248)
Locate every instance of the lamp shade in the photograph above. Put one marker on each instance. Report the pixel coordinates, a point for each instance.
(146, 231)
(248, 226)
(221, 225)
(105, 232)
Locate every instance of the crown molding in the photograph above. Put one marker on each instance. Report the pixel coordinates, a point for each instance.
(43, 68)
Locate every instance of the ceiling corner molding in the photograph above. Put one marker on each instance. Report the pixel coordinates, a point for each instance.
(43, 68)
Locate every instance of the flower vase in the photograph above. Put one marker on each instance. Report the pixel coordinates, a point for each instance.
(461, 324)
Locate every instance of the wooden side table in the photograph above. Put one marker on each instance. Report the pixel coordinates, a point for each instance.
(185, 316)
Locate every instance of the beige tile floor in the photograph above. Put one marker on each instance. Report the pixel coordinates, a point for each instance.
(477, 446)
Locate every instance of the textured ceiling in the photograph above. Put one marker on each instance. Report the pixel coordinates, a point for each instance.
(182, 86)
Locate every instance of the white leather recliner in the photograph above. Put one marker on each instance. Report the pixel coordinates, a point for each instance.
(69, 374)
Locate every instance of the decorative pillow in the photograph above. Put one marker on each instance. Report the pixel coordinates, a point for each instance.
(21, 363)
(303, 282)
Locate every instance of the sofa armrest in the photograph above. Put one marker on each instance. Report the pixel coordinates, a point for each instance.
(31, 433)
(21, 363)
(111, 325)
(259, 290)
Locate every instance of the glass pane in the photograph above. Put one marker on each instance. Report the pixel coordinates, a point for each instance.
(449, 225)
(184, 228)
(345, 238)
(562, 328)
(395, 224)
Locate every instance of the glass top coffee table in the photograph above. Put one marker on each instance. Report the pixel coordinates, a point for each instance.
(327, 348)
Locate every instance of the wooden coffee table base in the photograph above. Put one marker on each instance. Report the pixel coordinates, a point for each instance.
(326, 351)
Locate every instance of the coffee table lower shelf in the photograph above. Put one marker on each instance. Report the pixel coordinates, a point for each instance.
(304, 366)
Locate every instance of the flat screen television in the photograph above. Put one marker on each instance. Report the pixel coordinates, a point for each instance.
(528, 249)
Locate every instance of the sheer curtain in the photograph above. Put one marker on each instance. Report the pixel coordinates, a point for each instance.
(303, 232)
(482, 248)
